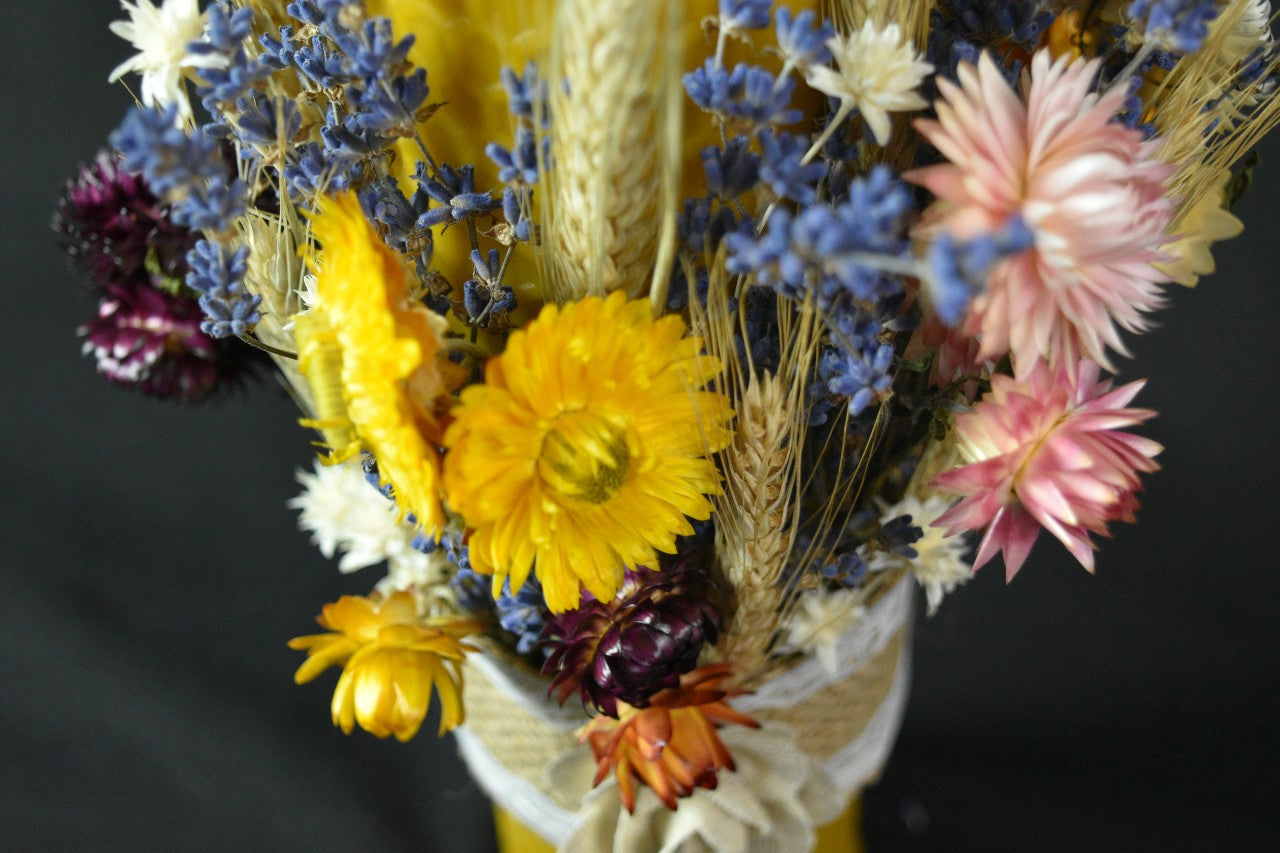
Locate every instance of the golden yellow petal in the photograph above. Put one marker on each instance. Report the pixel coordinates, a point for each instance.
(343, 705)
(386, 683)
(382, 348)
(352, 615)
(1206, 223)
(585, 450)
(398, 608)
(448, 683)
(329, 650)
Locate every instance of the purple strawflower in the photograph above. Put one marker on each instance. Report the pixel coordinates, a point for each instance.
(639, 643)
(117, 231)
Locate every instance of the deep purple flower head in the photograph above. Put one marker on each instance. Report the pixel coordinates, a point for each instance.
(117, 231)
(639, 643)
(146, 333)
(151, 340)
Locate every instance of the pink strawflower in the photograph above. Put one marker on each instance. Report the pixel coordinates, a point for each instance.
(1047, 451)
(1089, 188)
(954, 354)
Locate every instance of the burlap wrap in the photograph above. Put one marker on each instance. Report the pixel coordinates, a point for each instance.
(845, 721)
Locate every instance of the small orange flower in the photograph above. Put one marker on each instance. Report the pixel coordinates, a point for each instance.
(672, 745)
(1072, 34)
(391, 659)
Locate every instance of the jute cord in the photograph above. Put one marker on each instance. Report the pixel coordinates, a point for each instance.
(846, 722)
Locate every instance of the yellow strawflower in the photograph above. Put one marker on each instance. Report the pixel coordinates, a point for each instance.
(372, 357)
(1205, 223)
(586, 447)
(391, 658)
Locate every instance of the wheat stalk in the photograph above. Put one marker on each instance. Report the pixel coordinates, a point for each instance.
(756, 514)
(609, 140)
(911, 16)
(1206, 120)
(755, 530)
(275, 273)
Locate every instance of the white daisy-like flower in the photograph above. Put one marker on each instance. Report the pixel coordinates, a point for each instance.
(162, 36)
(345, 514)
(877, 71)
(820, 618)
(941, 563)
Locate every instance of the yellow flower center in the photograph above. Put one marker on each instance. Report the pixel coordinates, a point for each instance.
(584, 456)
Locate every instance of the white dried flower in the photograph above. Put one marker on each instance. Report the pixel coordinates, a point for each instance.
(820, 618)
(162, 36)
(876, 72)
(307, 292)
(345, 514)
(941, 563)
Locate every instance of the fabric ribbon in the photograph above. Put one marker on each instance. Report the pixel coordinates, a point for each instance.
(824, 737)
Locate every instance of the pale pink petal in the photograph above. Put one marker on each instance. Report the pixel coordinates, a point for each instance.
(1090, 189)
(1048, 451)
(1020, 535)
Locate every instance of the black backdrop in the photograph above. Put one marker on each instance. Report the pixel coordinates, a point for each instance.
(150, 574)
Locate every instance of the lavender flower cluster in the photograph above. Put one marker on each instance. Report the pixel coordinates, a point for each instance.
(317, 105)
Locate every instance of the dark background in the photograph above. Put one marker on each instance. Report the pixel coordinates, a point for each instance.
(150, 574)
